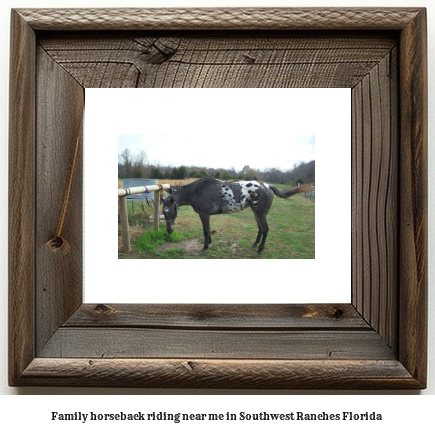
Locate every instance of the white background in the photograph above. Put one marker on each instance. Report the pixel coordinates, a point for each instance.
(404, 413)
(326, 112)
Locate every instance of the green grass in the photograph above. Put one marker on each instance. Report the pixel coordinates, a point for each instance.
(291, 233)
(150, 239)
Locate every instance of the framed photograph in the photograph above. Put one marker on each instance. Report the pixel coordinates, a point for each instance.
(375, 341)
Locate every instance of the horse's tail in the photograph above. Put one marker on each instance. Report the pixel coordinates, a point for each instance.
(288, 193)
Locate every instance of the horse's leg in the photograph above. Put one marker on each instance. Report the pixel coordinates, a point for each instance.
(262, 224)
(205, 219)
(259, 232)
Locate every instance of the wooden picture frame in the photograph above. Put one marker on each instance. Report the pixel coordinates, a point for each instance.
(377, 341)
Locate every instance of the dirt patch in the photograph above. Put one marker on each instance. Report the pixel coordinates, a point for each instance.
(191, 247)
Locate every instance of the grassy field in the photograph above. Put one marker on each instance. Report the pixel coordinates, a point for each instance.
(291, 233)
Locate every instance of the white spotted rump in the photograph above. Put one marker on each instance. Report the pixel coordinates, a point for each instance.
(247, 196)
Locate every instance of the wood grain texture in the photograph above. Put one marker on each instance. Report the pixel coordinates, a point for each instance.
(378, 342)
(220, 317)
(59, 277)
(413, 188)
(21, 207)
(240, 374)
(236, 60)
(375, 199)
(220, 18)
(127, 342)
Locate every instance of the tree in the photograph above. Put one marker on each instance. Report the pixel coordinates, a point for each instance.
(132, 166)
(245, 171)
(156, 174)
(174, 173)
(248, 173)
(140, 158)
(181, 172)
(126, 162)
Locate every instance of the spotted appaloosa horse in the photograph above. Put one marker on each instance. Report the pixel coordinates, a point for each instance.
(210, 196)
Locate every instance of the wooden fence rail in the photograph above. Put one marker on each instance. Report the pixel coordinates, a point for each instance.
(122, 195)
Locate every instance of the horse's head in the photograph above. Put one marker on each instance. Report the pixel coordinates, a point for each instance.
(170, 213)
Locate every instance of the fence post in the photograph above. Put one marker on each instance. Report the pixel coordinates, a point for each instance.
(156, 210)
(122, 195)
(124, 224)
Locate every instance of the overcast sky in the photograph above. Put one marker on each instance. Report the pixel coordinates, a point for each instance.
(221, 150)
(220, 128)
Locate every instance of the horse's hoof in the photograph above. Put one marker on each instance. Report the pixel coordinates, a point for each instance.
(203, 251)
(258, 253)
(254, 246)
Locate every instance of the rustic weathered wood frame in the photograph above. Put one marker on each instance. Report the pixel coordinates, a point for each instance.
(377, 341)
